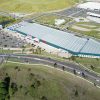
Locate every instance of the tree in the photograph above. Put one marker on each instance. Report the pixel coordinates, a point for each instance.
(83, 75)
(44, 98)
(14, 88)
(29, 69)
(55, 64)
(74, 71)
(39, 50)
(92, 67)
(20, 86)
(76, 93)
(94, 84)
(63, 68)
(73, 58)
(16, 67)
(7, 82)
(97, 59)
(23, 48)
(4, 88)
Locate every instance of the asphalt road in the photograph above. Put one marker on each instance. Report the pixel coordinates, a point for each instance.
(66, 66)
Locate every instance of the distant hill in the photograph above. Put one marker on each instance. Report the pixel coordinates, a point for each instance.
(28, 6)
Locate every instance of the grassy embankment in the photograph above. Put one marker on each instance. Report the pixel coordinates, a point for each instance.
(89, 29)
(38, 82)
(90, 63)
(29, 6)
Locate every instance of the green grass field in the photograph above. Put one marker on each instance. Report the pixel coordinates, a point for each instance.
(5, 21)
(88, 62)
(38, 82)
(93, 29)
(49, 20)
(28, 6)
(3, 51)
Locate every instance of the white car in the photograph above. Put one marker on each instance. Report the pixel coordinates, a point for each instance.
(97, 80)
(78, 72)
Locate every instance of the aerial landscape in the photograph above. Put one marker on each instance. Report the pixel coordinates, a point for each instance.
(49, 49)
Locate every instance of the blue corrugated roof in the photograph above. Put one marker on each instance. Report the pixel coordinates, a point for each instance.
(61, 39)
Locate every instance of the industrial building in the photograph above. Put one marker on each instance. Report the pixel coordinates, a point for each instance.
(61, 40)
(90, 6)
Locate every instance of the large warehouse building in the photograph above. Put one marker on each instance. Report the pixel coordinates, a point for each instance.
(62, 40)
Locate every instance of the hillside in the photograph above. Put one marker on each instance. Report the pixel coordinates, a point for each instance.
(38, 82)
(27, 6)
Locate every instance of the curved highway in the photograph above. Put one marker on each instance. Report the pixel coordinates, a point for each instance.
(66, 66)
